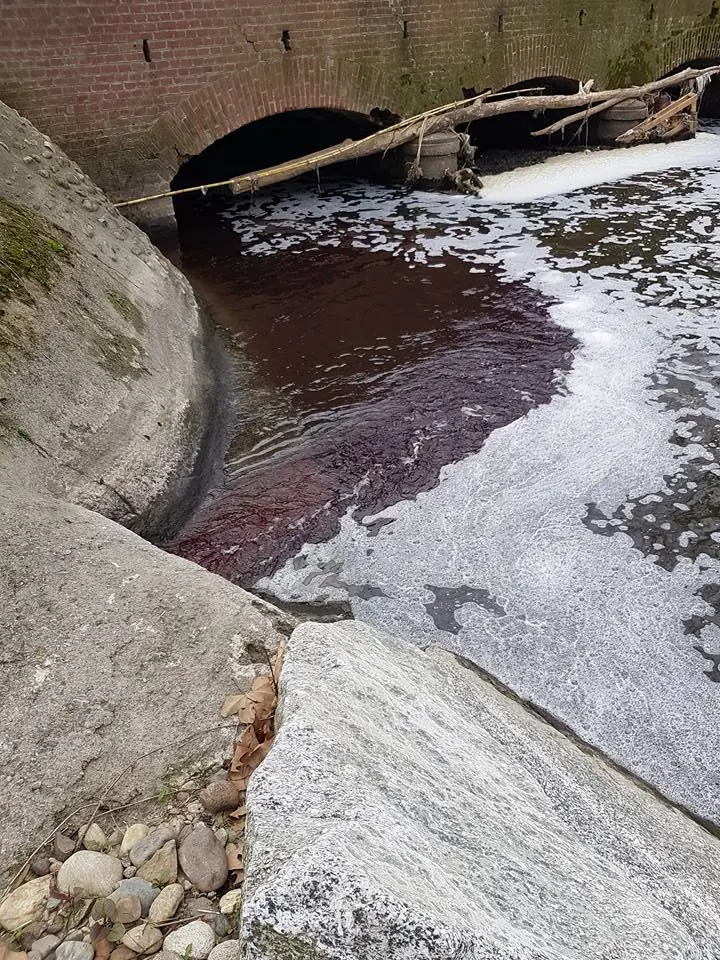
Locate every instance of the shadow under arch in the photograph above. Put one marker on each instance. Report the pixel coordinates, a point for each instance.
(269, 141)
(710, 100)
(514, 130)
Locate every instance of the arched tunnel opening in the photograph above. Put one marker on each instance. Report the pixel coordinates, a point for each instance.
(269, 141)
(513, 131)
(709, 105)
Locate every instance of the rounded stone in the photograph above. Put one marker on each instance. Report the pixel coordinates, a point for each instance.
(195, 941)
(229, 902)
(93, 837)
(227, 950)
(63, 846)
(44, 946)
(90, 874)
(135, 887)
(128, 909)
(149, 845)
(25, 904)
(74, 950)
(144, 938)
(161, 868)
(220, 795)
(166, 904)
(203, 860)
(40, 866)
(132, 836)
(122, 953)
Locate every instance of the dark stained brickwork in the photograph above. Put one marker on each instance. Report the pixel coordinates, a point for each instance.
(129, 87)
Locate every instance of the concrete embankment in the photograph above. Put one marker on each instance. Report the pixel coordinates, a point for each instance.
(110, 647)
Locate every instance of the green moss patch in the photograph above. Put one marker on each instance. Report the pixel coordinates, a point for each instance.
(32, 252)
(127, 309)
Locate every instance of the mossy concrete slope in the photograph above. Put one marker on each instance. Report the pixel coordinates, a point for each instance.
(110, 649)
(105, 379)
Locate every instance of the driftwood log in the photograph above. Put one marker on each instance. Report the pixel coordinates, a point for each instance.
(441, 118)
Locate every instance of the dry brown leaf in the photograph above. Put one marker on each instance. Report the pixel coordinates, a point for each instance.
(262, 688)
(238, 814)
(234, 856)
(259, 754)
(236, 878)
(244, 745)
(237, 704)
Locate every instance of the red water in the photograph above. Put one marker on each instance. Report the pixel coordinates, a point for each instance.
(360, 377)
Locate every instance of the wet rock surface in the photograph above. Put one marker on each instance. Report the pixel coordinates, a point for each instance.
(506, 841)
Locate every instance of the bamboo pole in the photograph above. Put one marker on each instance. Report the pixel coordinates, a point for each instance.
(439, 118)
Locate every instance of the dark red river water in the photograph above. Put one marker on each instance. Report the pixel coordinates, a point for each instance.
(358, 376)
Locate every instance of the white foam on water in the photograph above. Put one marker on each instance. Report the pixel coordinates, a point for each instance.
(579, 171)
(584, 624)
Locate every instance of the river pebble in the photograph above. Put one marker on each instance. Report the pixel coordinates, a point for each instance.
(89, 873)
(228, 950)
(63, 847)
(166, 905)
(219, 796)
(74, 950)
(122, 953)
(135, 887)
(149, 845)
(40, 866)
(94, 837)
(128, 909)
(230, 900)
(202, 859)
(145, 938)
(195, 940)
(161, 868)
(25, 904)
(44, 946)
(132, 836)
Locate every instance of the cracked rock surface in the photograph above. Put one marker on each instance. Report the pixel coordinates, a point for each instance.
(409, 808)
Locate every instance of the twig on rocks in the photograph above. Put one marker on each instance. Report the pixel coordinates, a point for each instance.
(97, 804)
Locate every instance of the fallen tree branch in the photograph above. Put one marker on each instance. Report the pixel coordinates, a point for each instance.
(433, 121)
(619, 96)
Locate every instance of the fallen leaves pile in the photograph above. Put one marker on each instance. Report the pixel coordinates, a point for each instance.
(255, 712)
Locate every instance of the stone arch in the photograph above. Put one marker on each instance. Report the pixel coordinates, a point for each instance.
(700, 43)
(266, 88)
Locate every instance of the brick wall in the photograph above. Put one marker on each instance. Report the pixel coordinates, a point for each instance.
(128, 111)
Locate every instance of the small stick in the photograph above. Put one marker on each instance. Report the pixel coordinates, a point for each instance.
(97, 804)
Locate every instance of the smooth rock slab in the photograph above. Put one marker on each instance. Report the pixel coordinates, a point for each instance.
(409, 809)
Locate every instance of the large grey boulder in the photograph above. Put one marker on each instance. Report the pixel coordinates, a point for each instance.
(111, 649)
(410, 809)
